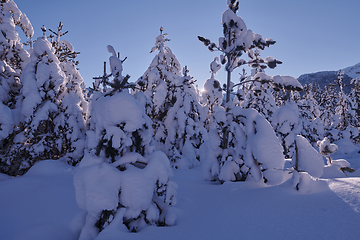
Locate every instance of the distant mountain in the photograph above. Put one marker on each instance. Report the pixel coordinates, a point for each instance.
(326, 77)
(352, 71)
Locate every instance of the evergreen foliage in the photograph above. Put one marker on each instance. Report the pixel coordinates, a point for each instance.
(13, 59)
(181, 132)
(212, 97)
(173, 105)
(126, 141)
(53, 111)
(121, 154)
(164, 69)
(232, 148)
(44, 126)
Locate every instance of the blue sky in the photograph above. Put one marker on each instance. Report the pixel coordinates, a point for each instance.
(311, 35)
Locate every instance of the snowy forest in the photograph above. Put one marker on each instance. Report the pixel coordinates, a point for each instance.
(123, 142)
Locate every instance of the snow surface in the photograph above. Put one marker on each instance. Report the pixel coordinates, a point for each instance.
(41, 205)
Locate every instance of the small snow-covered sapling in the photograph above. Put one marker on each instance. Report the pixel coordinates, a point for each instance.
(326, 148)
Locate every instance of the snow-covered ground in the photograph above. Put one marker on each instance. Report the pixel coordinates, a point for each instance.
(41, 205)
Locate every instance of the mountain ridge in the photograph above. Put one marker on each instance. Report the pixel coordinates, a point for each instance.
(323, 78)
(353, 71)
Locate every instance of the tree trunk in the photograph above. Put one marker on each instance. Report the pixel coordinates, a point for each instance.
(226, 129)
(296, 167)
(228, 90)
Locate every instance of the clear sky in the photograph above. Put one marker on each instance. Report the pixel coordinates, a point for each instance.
(311, 35)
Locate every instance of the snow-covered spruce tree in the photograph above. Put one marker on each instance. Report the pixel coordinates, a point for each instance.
(343, 108)
(43, 136)
(309, 113)
(236, 41)
(343, 123)
(287, 126)
(308, 103)
(253, 150)
(326, 149)
(180, 132)
(230, 154)
(212, 96)
(164, 68)
(122, 178)
(315, 91)
(73, 102)
(308, 165)
(12, 51)
(13, 58)
(355, 99)
(64, 50)
(328, 103)
(9, 90)
(259, 92)
(355, 96)
(175, 110)
(348, 122)
(284, 119)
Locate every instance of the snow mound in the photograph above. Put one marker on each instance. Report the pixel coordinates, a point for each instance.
(128, 112)
(309, 160)
(50, 168)
(140, 190)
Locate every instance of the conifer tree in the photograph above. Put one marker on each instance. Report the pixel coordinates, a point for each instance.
(338, 116)
(132, 177)
(236, 41)
(163, 70)
(343, 109)
(64, 50)
(212, 96)
(253, 152)
(286, 120)
(181, 132)
(259, 94)
(310, 113)
(12, 50)
(7, 101)
(287, 126)
(326, 149)
(316, 92)
(173, 105)
(73, 102)
(355, 96)
(232, 153)
(43, 136)
(328, 104)
(13, 58)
